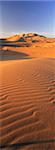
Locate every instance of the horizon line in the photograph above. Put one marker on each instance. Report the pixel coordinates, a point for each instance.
(7, 35)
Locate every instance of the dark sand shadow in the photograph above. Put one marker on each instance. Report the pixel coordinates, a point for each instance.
(12, 55)
(11, 44)
(28, 143)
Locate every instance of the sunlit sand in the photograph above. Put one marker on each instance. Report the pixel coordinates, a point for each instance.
(28, 93)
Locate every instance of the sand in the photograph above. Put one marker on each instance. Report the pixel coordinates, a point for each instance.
(27, 99)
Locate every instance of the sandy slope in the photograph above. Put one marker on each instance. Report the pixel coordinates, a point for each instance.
(27, 101)
(32, 52)
(27, 98)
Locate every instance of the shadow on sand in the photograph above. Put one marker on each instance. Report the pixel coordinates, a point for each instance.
(21, 145)
(12, 55)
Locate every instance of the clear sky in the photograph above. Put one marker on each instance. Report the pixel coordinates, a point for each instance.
(27, 16)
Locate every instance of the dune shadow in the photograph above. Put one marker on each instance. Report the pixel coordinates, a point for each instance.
(28, 143)
(12, 55)
(12, 44)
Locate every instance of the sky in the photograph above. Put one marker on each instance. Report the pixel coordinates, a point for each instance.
(27, 16)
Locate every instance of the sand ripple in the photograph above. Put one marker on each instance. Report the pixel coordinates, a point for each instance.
(27, 101)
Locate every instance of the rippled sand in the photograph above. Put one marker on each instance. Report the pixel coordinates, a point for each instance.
(27, 103)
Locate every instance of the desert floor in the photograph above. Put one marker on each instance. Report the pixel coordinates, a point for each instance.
(27, 99)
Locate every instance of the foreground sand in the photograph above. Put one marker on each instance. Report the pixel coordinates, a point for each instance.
(28, 101)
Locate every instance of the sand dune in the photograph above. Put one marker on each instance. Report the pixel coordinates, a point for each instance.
(27, 40)
(27, 99)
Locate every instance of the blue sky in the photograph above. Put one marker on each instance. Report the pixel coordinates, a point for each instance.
(27, 16)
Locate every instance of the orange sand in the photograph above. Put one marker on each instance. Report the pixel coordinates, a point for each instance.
(27, 104)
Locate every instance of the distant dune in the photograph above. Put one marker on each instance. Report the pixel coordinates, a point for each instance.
(31, 44)
(27, 40)
(27, 98)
